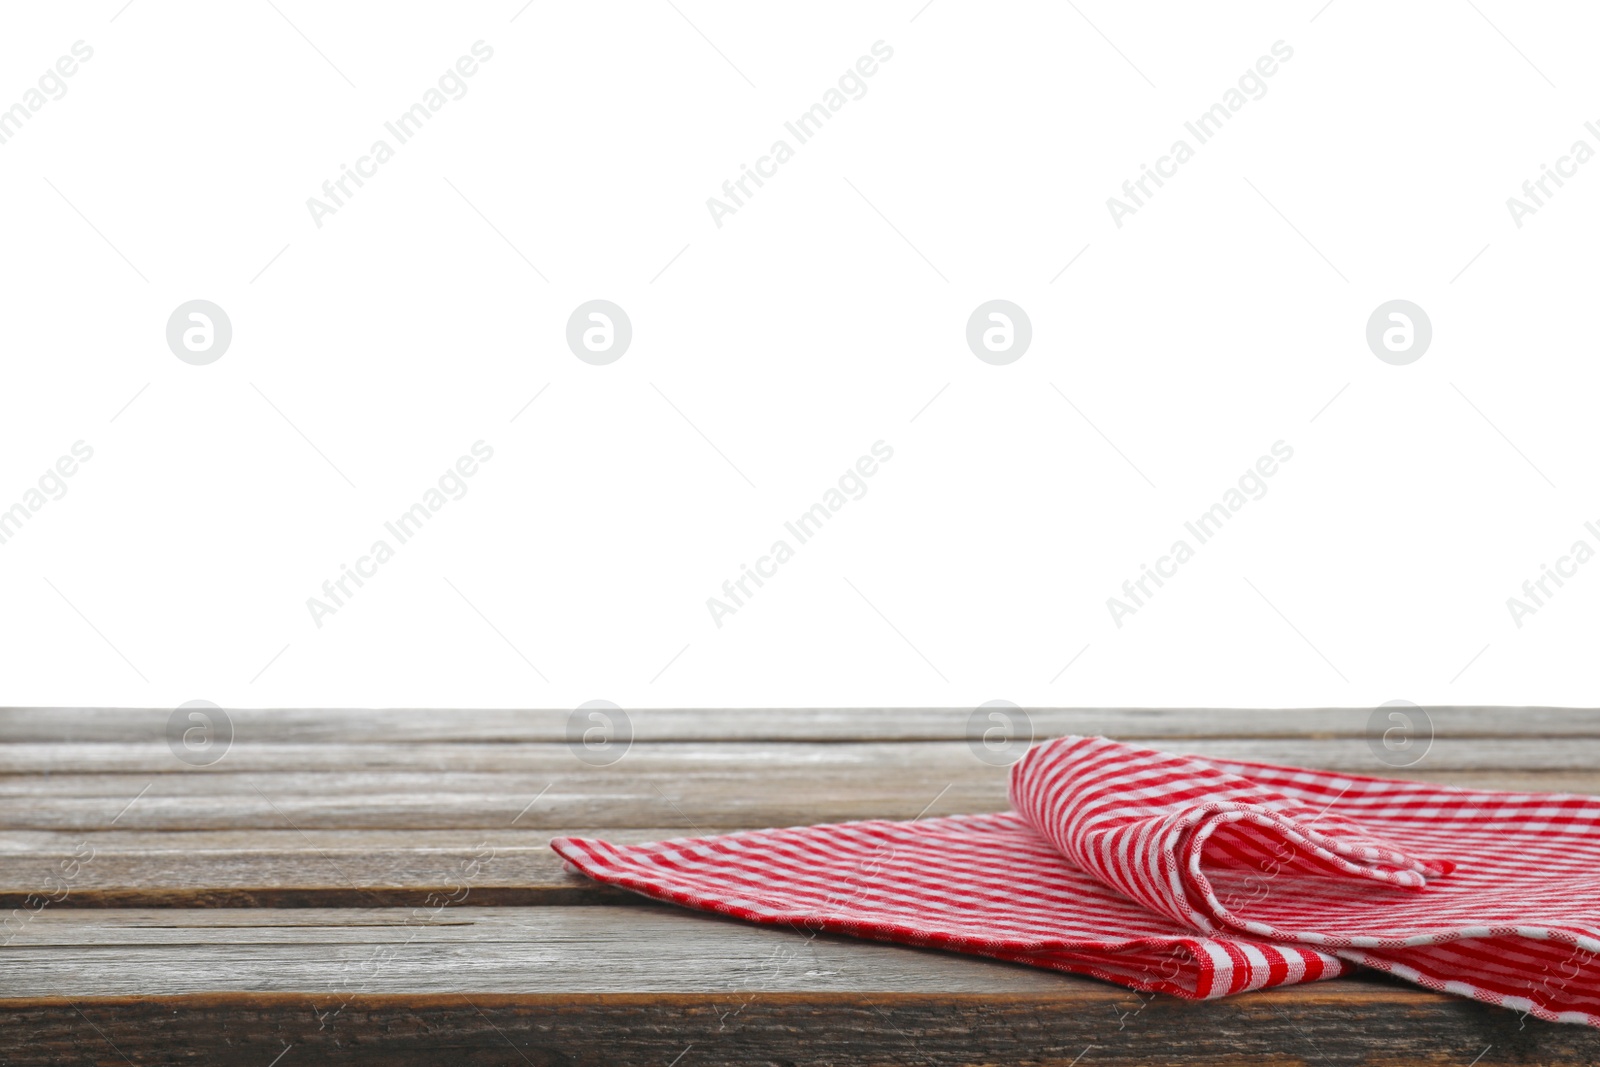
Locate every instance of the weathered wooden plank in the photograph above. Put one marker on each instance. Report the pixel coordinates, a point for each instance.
(249, 838)
(68, 764)
(314, 867)
(639, 948)
(1292, 1028)
(703, 785)
(575, 986)
(701, 807)
(414, 725)
(317, 868)
(14, 844)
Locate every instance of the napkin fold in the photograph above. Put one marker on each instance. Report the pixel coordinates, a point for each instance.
(1186, 875)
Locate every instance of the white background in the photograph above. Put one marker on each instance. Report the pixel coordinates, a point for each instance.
(827, 314)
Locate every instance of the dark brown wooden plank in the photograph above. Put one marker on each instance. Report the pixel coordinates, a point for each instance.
(576, 986)
(1290, 1028)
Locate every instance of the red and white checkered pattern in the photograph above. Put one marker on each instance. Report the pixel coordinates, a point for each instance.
(1197, 877)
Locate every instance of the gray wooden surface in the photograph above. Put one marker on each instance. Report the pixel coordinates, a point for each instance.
(287, 895)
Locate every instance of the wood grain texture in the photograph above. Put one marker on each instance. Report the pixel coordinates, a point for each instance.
(377, 887)
(286, 868)
(334, 952)
(696, 785)
(414, 725)
(545, 759)
(640, 985)
(313, 866)
(1360, 1025)
(282, 824)
(1291, 1029)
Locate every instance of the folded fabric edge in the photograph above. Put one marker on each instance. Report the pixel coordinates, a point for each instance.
(1526, 1005)
(1221, 966)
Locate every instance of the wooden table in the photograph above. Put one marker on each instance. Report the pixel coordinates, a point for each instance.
(362, 887)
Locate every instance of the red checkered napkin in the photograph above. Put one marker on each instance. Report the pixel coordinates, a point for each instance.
(1197, 877)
